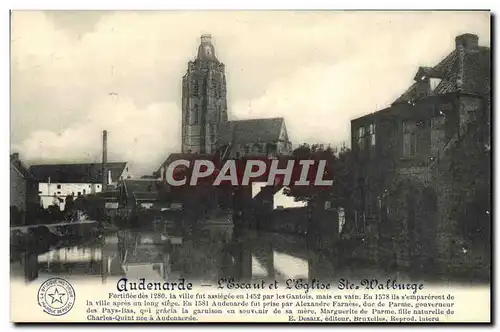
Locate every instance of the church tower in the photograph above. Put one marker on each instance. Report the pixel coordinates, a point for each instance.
(204, 104)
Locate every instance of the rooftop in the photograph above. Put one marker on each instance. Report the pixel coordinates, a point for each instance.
(466, 69)
(76, 173)
(251, 131)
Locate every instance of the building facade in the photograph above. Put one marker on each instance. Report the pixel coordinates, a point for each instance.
(412, 179)
(204, 104)
(23, 190)
(57, 181)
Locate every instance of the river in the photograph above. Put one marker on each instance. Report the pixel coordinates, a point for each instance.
(204, 255)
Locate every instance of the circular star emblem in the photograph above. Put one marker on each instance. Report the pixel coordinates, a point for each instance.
(56, 296)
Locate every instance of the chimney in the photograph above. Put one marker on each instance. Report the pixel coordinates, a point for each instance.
(468, 41)
(104, 159)
(463, 44)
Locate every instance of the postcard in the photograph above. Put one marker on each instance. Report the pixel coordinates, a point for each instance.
(250, 166)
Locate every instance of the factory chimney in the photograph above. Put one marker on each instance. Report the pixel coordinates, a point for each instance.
(104, 160)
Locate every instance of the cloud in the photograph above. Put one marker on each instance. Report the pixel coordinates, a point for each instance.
(317, 69)
(134, 134)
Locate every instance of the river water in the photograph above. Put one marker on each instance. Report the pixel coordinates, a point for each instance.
(205, 255)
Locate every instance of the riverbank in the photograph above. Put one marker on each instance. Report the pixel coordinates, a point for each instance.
(40, 238)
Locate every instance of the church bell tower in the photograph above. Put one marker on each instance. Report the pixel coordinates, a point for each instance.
(204, 103)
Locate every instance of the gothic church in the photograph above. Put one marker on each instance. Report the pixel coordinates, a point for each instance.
(206, 129)
(205, 125)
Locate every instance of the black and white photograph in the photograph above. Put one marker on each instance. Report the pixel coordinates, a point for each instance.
(326, 151)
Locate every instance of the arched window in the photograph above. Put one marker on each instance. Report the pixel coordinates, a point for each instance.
(195, 87)
(196, 114)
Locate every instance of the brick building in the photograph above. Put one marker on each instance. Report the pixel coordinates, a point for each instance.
(24, 197)
(422, 165)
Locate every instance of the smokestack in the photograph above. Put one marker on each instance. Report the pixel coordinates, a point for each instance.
(104, 159)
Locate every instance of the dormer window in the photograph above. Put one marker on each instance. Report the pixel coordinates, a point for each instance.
(423, 88)
(427, 79)
(434, 82)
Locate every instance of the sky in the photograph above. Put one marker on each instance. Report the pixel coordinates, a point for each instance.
(76, 73)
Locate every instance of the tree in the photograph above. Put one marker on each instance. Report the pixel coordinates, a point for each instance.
(69, 207)
(338, 168)
(339, 165)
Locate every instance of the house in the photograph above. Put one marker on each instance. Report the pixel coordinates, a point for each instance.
(57, 181)
(97, 206)
(409, 192)
(135, 193)
(23, 190)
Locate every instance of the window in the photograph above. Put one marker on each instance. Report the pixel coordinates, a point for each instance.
(372, 134)
(437, 122)
(246, 149)
(437, 134)
(341, 213)
(195, 87)
(58, 186)
(196, 114)
(217, 90)
(361, 138)
(409, 138)
(359, 221)
(434, 82)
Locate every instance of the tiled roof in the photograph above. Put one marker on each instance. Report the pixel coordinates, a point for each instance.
(177, 156)
(76, 173)
(427, 71)
(251, 131)
(476, 72)
(408, 94)
(141, 185)
(142, 189)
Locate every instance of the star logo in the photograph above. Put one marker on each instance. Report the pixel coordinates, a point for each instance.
(56, 296)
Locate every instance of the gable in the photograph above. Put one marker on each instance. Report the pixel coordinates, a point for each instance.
(283, 133)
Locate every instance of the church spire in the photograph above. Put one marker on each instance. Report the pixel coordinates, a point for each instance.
(204, 104)
(206, 50)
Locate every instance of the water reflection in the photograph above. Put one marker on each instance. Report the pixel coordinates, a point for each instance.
(205, 254)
